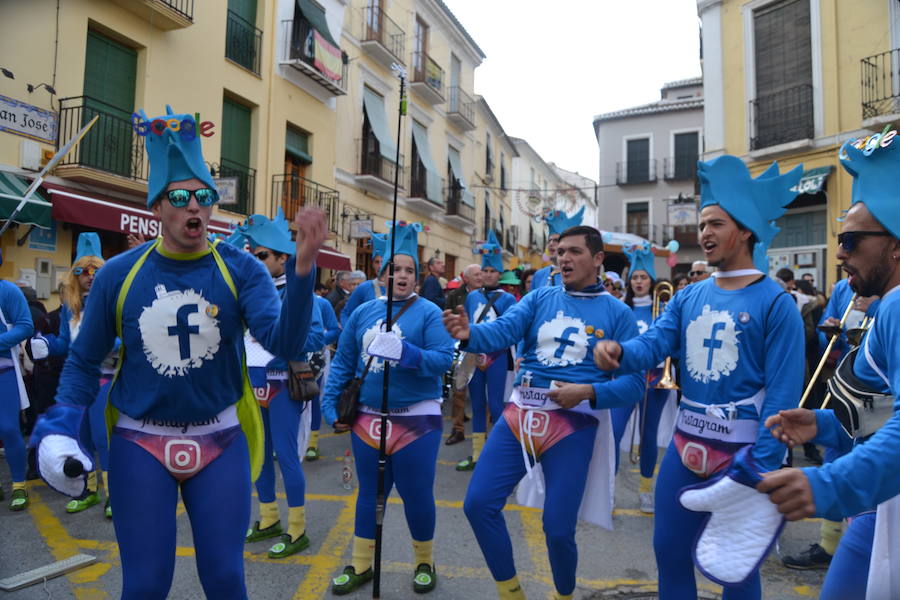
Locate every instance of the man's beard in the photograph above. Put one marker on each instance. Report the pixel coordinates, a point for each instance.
(877, 279)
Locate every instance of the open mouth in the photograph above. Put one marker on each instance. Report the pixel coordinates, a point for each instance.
(709, 246)
(194, 225)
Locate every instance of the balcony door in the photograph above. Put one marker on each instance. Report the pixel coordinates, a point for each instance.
(455, 69)
(637, 219)
(420, 49)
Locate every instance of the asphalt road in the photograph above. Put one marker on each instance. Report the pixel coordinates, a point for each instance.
(615, 563)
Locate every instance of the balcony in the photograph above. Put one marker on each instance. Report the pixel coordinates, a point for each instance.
(376, 173)
(680, 168)
(309, 54)
(111, 153)
(246, 185)
(382, 38)
(290, 192)
(636, 172)
(511, 239)
(459, 212)
(782, 117)
(427, 79)
(461, 111)
(243, 43)
(880, 88)
(162, 14)
(685, 235)
(418, 199)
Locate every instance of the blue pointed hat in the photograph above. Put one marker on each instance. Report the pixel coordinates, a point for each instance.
(173, 151)
(875, 177)
(640, 257)
(271, 233)
(379, 243)
(557, 221)
(754, 203)
(88, 245)
(491, 252)
(406, 241)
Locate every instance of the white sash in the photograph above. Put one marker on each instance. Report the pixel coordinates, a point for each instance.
(14, 353)
(884, 566)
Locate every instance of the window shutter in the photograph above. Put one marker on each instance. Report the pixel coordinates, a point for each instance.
(235, 132)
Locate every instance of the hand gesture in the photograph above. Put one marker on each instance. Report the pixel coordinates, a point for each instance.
(607, 355)
(569, 395)
(311, 233)
(456, 322)
(790, 491)
(793, 427)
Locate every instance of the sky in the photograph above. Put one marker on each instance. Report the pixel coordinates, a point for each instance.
(552, 66)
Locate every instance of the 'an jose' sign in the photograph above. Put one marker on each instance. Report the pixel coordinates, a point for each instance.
(27, 120)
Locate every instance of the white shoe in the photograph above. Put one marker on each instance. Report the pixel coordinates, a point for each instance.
(647, 503)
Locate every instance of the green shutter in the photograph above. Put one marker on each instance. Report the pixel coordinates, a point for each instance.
(110, 73)
(245, 9)
(235, 132)
(296, 144)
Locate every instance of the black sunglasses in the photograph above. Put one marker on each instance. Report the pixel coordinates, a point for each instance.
(848, 240)
(264, 254)
(693, 273)
(181, 198)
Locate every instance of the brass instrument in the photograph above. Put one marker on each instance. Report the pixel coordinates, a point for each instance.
(835, 334)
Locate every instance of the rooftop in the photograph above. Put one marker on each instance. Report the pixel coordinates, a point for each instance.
(681, 83)
(652, 108)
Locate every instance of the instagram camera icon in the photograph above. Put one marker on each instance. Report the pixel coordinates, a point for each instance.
(182, 456)
(538, 421)
(375, 429)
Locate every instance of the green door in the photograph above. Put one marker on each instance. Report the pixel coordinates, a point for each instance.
(236, 151)
(109, 79)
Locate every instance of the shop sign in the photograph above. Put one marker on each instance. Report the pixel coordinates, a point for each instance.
(27, 120)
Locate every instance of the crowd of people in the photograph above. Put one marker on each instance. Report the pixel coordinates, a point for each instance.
(191, 363)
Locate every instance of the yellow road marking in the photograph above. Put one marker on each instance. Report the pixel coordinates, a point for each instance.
(324, 565)
(533, 530)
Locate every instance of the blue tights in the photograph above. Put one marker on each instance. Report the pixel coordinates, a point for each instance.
(486, 390)
(675, 529)
(282, 424)
(848, 574)
(316, 406)
(656, 402)
(10, 433)
(412, 471)
(217, 500)
(93, 429)
(501, 466)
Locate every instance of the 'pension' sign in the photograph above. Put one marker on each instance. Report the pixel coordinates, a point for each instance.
(27, 120)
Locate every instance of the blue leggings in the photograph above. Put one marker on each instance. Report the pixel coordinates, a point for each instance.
(487, 389)
(282, 424)
(10, 433)
(217, 500)
(674, 531)
(656, 402)
(848, 574)
(94, 435)
(316, 406)
(500, 468)
(412, 470)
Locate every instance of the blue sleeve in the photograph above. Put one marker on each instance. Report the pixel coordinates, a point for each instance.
(315, 339)
(330, 322)
(431, 290)
(830, 433)
(623, 390)
(356, 298)
(662, 339)
(435, 356)
(833, 310)
(59, 344)
(343, 369)
(281, 334)
(784, 357)
(540, 278)
(17, 315)
(503, 332)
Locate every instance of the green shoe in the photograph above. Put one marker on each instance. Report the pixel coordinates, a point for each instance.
(349, 581)
(425, 579)
(107, 510)
(286, 547)
(312, 454)
(467, 464)
(76, 505)
(255, 534)
(18, 500)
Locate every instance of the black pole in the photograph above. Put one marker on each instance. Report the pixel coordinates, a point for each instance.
(380, 500)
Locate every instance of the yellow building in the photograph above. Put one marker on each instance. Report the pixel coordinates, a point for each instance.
(791, 80)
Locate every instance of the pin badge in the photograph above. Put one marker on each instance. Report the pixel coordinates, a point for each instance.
(212, 311)
(744, 317)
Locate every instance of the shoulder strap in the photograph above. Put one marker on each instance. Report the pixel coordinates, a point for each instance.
(769, 312)
(406, 305)
(488, 306)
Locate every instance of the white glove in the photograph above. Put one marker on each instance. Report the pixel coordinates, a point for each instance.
(386, 345)
(40, 347)
(741, 528)
(51, 459)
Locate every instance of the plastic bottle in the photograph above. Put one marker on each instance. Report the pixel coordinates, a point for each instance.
(347, 471)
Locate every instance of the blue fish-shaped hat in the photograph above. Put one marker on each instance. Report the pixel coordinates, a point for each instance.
(876, 175)
(557, 221)
(641, 259)
(274, 234)
(491, 252)
(88, 245)
(406, 241)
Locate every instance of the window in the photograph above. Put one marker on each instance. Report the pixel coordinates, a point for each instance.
(686, 153)
(637, 160)
(420, 46)
(488, 156)
(502, 172)
(243, 41)
(783, 108)
(235, 161)
(487, 214)
(637, 219)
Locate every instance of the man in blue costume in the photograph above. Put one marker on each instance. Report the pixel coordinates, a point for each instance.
(488, 387)
(181, 406)
(373, 288)
(557, 222)
(866, 477)
(741, 341)
(554, 439)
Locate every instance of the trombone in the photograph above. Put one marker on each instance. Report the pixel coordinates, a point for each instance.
(835, 334)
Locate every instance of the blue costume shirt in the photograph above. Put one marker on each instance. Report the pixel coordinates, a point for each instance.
(542, 277)
(332, 329)
(17, 317)
(837, 304)
(477, 300)
(363, 293)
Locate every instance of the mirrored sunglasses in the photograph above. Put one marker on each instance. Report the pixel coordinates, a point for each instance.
(181, 198)
(849, 240)
(84, 270)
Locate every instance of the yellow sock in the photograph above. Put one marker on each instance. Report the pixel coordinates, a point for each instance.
(830, 535)
(296, 522)
(313, 439)
(268, 514)
(92, 481)
(105, 476)
(646, 485)
(18, 485)
(363, 553)
(562, 597)
(477, 445)
(422, 552)
(510, 589)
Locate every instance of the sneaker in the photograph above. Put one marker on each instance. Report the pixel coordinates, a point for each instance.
(76, 505)
(286, 547)
(255, 534)
(107, 510)
(813, 557)
(312, 454)
(18, 500)
(349, 581)
(455, 437)
(425, 579)
(647, 503)
(467, 464)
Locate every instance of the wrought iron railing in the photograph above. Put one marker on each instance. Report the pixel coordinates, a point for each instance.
(243, 42)
(378, 27)
(426, 71)
(111, 145)
(782, 117)
(371, 162)
(636, 171)
(299, 47)
(418, 182)
(246, 184)
(680, 167)
(290, 192)
(456, 206)
(462, 104)
(182, 7)
(880, 84)
(685, 235)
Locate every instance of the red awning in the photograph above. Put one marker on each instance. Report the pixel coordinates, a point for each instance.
(329, 258)
(93, 210)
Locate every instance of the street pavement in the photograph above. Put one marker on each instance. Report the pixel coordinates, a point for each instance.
(613, 564)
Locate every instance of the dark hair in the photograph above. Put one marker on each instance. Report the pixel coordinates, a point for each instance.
(785, 274)
(523, 277)
(592, 237)
(629, 293)
(678, 278)
(805, 287)
(321, 286)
